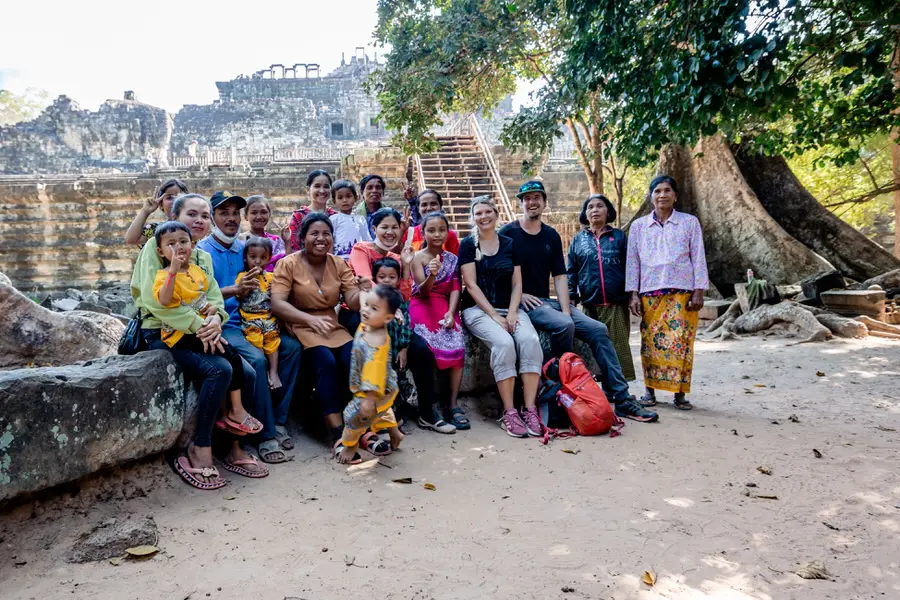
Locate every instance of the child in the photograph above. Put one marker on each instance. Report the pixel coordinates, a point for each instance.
(185, 284)
(433, 309)
(140, 231)
(257, 322)
(258, 213)
(348, 228)
(373, 380)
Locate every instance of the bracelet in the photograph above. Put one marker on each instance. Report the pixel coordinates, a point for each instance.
(170, 278)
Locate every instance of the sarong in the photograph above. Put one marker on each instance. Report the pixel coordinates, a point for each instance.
(668, 330)
(617, 319)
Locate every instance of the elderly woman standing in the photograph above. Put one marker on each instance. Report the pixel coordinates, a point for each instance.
(597, 275)
(666, 275)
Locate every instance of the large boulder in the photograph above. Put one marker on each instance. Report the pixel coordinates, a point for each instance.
(478, 376)
(58, 424)
(30, 334)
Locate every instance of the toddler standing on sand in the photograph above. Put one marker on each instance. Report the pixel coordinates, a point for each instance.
(373, 380)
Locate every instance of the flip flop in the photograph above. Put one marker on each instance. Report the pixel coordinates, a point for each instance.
(182, 466)
(683, 404)
(249, 425)
(224, 426)
(338, 446)
(648, 401)
(235, 466)
(375, 445)
(283, 437)
(269, 448)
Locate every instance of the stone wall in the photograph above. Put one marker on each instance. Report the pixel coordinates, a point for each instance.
(124, 135)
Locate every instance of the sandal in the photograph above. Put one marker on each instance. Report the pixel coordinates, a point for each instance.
(437, 423)
(458, 418)
(283, 437)
(182, 466)
(336, 452)
(227, 428)
(682, 403)
(648, 401)
(250, 424)
(271, 452)
(375, 445)
(235, 466)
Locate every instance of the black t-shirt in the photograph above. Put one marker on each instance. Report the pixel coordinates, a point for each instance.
(494, 273)
(541, 255)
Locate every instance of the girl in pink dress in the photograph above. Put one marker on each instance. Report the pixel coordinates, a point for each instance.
(433, 307)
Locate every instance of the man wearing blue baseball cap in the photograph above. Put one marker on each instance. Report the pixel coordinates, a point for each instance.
(227, 254)
(541, 256)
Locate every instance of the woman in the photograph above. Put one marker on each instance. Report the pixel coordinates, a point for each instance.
(430, 201)
(307, 286)
(139, 232)
(666, 275)
(213, 371)
(490, 270)
(318, 189)
(597, 274)
(387, 226)
(372, 189)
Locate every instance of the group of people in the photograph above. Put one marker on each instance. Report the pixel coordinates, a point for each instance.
(346, 297)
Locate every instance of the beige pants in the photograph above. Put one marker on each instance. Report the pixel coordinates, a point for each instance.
(505, 347)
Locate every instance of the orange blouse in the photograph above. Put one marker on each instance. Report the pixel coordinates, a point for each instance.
(363, 256)
(294, 277)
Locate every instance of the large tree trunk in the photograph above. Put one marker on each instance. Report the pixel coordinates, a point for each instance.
(803, 217)
(738, 232)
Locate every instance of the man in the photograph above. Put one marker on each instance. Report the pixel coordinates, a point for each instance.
(228, 260)
(541, 256)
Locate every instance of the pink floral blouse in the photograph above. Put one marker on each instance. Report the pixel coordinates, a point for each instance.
(666, 256)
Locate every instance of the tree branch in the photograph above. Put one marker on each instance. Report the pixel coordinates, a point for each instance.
(878, 191)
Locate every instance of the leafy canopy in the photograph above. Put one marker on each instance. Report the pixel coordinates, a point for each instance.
(790, 75)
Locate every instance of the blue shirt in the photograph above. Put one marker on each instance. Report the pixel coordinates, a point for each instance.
(227, 263)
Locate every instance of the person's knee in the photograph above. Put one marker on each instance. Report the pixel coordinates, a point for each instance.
(503, 352)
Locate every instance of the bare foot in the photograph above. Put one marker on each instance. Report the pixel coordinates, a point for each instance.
(396, 437)
(346, 455)
(274, 381)
(201, 458)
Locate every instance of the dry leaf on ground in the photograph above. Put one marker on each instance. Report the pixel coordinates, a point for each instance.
(402, 480)
(429, 486)
(649, 577)
(816, 453)
(146, 550)
(820, 374)
(764, 470)
(813, 570)
(567, 451)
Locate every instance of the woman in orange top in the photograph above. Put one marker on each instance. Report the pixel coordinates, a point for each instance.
(307, 286)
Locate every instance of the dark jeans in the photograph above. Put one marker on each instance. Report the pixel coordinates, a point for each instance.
(191, 342)
(256, 368)
(329, 371)
(349, 319)
(420, 361)
(214, 373)
(563, 330)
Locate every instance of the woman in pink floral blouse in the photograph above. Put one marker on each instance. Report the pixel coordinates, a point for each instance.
(666, 275)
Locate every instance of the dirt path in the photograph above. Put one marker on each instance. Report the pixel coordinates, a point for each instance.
(515, 519)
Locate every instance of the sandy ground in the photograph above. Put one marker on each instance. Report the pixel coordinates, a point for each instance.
(514, 519)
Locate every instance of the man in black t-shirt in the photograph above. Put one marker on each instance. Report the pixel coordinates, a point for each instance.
(540, 252)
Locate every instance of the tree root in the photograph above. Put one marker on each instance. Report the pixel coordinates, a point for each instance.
(721, 327)
(874, 325)
(766, 315)
(841, 326)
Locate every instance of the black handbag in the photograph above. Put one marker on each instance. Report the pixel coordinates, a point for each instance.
(132, 340)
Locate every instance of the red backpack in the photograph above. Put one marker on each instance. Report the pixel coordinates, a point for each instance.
(584, 401)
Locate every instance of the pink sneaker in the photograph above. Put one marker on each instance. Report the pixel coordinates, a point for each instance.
(532, 422)
(513, 424)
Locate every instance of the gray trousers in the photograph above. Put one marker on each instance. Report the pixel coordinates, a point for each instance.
(504, 347)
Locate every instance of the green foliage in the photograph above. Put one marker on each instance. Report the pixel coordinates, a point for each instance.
(15, 108)
(788, 75)
(846, 189)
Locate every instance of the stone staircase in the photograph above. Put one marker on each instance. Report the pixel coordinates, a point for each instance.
(460, 170)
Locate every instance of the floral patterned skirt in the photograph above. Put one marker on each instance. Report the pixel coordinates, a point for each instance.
(668, 330)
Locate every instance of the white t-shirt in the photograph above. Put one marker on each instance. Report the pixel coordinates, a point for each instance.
(348, 229)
